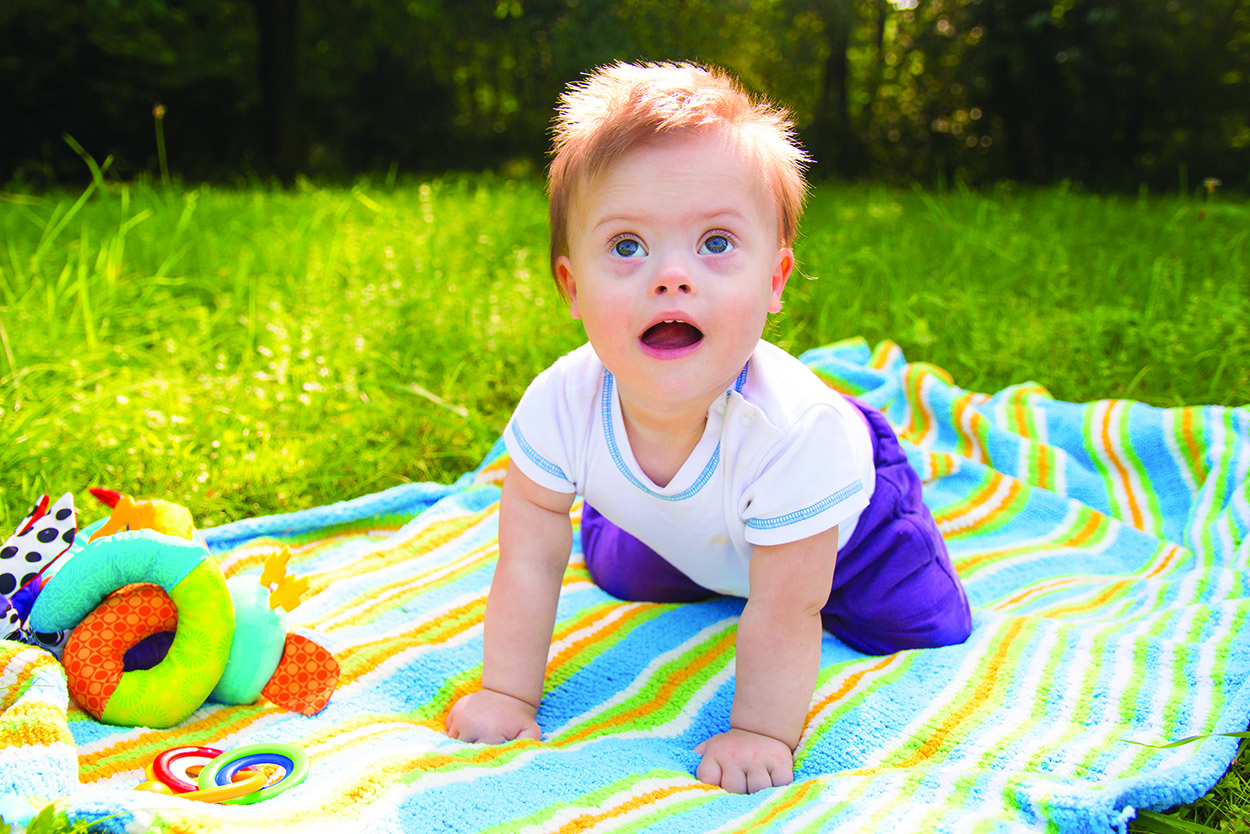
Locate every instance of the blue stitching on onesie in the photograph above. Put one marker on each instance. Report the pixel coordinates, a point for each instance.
(539, 461)
(610, 436)
(808, 512)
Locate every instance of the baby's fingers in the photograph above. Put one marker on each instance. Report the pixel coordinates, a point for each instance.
(781, 775)
(530, 731)
(758, 778)
(709, 771)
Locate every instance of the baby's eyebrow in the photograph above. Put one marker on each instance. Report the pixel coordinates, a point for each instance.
(621, 220)
(707, 216)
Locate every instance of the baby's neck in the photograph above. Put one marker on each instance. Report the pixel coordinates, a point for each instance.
(662, 441)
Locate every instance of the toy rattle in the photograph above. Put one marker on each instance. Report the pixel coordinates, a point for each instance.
(145, 571)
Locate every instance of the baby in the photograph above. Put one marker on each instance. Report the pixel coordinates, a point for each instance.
(710, 461)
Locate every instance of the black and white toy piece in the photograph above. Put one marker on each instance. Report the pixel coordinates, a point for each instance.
(29, 556)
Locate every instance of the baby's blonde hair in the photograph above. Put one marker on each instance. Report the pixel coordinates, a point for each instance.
(620, 106)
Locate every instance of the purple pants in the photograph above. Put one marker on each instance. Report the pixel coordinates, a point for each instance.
(893, 588)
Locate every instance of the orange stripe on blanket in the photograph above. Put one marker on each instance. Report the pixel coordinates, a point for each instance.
(706, 658)
(133, 752)
(43, 726)
(589, 820)
(594, 636)
(1039, 454)
(1015, 600)
(1172, 552)
(920, 418)
(14, 691)
(360, 660)
(1080, 537)
(255, 552)
(883, 353)
(988, 682)
(1169, 557)
(793, 799)
(849, 684)
(1101, 599)
(967, 441)
(1138, 520)
(396, 594)
(1193, 447)
(953, 523)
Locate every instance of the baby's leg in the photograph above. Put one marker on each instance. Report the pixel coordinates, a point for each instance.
(627, 569)
(894, 586)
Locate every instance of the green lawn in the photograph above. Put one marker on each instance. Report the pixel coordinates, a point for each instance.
(251, 352)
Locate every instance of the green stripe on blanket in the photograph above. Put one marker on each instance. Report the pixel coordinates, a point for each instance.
(1104, 551)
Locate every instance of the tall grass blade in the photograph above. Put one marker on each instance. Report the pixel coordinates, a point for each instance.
(83, 288)
(1188, 740)
(97, 171)
(1149, 822)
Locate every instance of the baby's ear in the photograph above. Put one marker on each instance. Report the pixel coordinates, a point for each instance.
(564, 277)
(781, 274)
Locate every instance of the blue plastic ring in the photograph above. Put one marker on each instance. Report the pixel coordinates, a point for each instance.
(226, 775)
(290, 758)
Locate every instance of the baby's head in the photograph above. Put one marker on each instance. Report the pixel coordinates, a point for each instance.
(622, 106)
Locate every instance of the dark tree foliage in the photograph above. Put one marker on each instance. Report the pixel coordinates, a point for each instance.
(95, 69)
(1110, 93)
(277, 51)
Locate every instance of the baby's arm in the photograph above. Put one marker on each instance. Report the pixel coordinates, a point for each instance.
(535, 536)
(778, 658)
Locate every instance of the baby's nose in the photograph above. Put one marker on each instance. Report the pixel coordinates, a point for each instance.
(672, 278)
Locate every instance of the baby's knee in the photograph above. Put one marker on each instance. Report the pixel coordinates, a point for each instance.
(620, 584)
(948, 624)
(952, 626)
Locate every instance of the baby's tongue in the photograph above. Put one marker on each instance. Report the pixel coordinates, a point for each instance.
(671, 335)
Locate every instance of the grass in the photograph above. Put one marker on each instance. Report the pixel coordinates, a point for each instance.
(252, 352)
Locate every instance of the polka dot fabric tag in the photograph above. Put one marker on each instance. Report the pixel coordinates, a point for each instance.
(305, 678)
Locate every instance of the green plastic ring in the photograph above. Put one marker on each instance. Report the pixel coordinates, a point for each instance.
(254, 754)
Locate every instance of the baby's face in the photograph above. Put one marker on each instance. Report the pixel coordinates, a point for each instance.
(674, 264)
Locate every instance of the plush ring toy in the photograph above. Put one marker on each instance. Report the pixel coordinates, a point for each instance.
(173, 689)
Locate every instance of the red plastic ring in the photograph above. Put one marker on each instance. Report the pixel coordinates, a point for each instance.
(161, 767)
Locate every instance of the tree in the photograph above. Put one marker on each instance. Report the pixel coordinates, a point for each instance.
(277, 44)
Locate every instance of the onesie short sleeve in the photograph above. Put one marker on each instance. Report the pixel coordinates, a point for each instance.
(542, 436)
(810, 480)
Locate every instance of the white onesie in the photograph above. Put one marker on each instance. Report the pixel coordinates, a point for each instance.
(782, 457)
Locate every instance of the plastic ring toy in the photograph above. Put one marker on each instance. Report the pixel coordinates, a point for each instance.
(222, 769)
(166, 767)
(170, 691)
(231, 792)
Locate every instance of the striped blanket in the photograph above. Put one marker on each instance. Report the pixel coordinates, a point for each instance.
(1103, 546)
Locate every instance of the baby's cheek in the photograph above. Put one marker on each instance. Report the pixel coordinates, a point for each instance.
(748, 310)
(606, 317)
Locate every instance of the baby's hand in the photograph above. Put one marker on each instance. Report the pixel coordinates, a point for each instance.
(489, 717)
(741, 761)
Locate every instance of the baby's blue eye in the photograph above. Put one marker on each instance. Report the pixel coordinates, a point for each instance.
(716, 245)
(627, 247)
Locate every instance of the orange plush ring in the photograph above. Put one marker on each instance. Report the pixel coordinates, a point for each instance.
(93, 655)
(173, 689)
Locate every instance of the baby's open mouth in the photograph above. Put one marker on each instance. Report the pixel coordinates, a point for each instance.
(671, 335)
